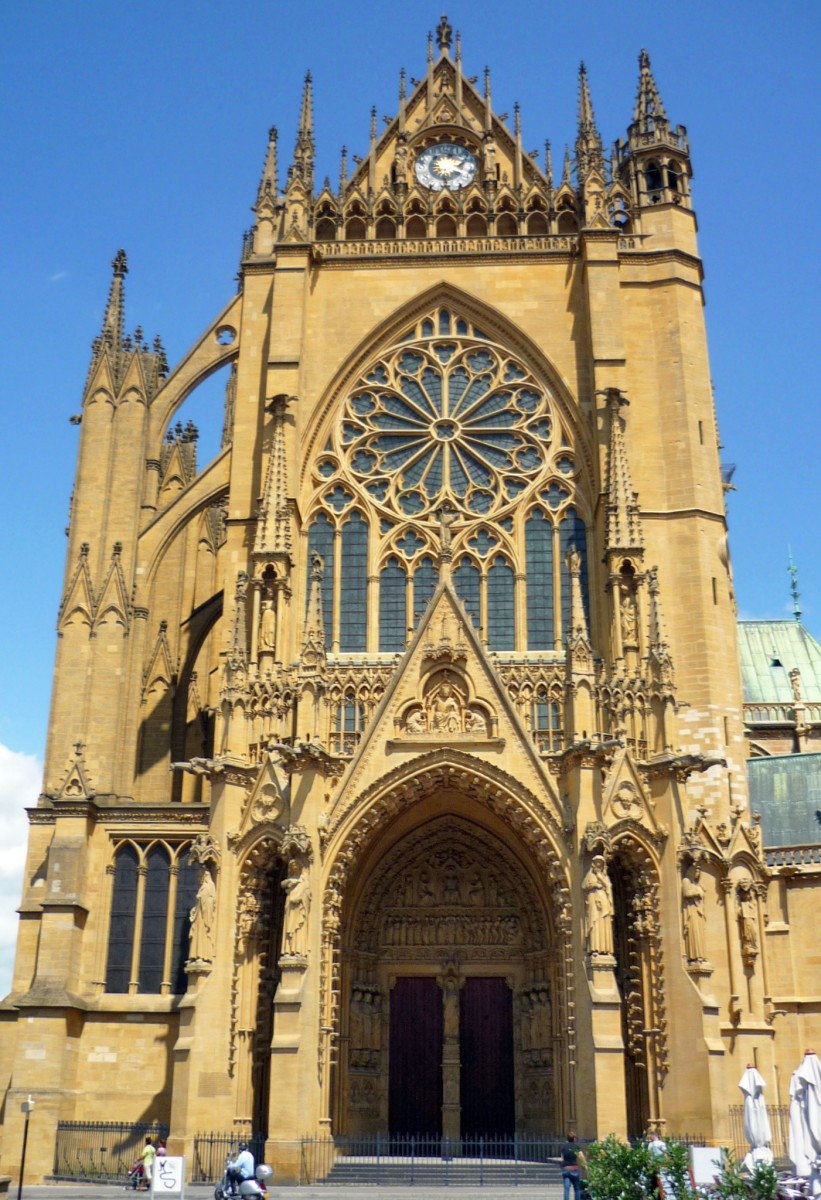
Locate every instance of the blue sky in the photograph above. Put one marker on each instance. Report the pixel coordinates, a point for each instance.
(144, 126)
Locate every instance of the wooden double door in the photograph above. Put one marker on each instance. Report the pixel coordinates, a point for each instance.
(417, 1067)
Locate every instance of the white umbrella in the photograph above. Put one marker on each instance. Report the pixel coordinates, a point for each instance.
(756, 1122)
(805, 1121)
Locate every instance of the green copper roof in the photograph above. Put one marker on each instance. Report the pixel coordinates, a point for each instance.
(769, 650)
(786, 790)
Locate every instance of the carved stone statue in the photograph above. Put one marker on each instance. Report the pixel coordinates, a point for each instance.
(202, 920)
(629, 618)
(445, 715)
(447, 519)
(475, 722)
(598, 898)
(416, 722)
(297, 909)
(267, 625)
(692, 900)
(747, 921)
(489, 158)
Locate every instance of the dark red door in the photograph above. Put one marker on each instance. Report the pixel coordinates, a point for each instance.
(486, 1036)
(415, 1090)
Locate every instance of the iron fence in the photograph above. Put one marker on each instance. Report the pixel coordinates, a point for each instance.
(392, 1160)
(779, 1115)
(100, 1150)
(212, 1149)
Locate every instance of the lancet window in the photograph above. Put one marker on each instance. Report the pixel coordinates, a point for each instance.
(153, 890)
(447, 438)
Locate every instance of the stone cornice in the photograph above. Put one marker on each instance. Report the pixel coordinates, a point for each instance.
(118, 813)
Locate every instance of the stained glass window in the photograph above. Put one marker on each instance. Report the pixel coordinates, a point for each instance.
(425, 579)
(539, 556)
(121, 927)
(466, 580)
(155, 914)
(392, 615)
(187, 886)
(353, 614)
(572, 533)
(500, 606)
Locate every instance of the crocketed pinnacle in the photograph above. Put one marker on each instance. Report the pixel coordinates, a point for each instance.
(313, 640)
(649, 111)
(623, 522)
(303, 164)
(589, 154)
(111, 334)
(273, 532)
(269, 183)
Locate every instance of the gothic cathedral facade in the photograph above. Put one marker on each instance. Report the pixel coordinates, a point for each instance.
(403, 741)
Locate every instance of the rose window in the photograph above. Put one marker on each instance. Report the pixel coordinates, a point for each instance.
(446, 418)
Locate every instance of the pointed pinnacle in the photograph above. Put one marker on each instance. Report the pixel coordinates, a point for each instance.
(269, 183)
(402, 91)
(548, 162)
(649, 108)
(343, 170)
(566, 175)
(586, 118)
(112, 330)
(306, 116)
(487, 84)
(373, 123)
(517, 120)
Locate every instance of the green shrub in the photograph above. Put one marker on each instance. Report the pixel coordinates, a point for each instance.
(616, 1171)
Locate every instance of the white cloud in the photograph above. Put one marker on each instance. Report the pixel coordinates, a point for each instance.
(20, 778)
(58, 276)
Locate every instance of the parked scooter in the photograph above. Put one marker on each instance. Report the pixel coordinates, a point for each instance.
(248, 1189)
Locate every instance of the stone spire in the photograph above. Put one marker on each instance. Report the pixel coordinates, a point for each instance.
(488, 104)
(269, 183)
(343, 172)
(273, 533)
(303, 164)
(372, 153)
(313, 656)
(110, 339)
(648, 116)
(566, 169)
(622, 520)
(589, 154)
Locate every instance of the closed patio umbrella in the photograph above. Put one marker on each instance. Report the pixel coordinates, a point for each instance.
(756, 1122)
(805, 1121)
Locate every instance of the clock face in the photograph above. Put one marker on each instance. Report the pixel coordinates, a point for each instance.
(446, 165)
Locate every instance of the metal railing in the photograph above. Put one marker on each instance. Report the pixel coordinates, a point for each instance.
(100, 1150)
(392, 1160)
(212, 1149)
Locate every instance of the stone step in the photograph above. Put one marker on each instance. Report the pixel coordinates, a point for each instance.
(457, 1172)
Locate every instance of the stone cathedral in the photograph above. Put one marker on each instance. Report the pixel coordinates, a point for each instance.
(395, 780)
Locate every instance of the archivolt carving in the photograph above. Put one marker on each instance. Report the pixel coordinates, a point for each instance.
(256, 895)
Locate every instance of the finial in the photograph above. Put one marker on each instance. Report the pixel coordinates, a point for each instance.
(373, 122)
(430, 48)
(444, 34)
(343, 170)
(269, 184)
(517, 121)
(120, 264)
(649, 110)
(566, 176)
(796, 596)
(459, 48)
(548, 162)
(402, 92)
(487, 84)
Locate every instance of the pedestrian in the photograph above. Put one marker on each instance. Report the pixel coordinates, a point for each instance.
(148, 1155)
(572, 1159)
(657, 1148)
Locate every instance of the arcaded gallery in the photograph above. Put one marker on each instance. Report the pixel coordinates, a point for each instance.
(396, 778)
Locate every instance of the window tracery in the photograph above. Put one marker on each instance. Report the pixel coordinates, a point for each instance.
(447, 418)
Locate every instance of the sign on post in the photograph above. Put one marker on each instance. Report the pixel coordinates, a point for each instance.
(168, 1177)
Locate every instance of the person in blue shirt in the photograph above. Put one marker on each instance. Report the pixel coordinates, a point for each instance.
(242, 1168)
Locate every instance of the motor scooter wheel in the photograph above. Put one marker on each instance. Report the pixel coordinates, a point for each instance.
(219, 1192)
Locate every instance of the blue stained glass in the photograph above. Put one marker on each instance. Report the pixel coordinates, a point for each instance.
(409, 543)
(491, 454)
(362, 405)
(484, 542)
(408, 441)
(410, 362)
(354, 594)
(539, 559)
(540, 429)
(458, 476)
(478, 473)
(379, 374)
(392, 616)
(479, 388)
(457, 382)
(350, 432)
(477, 333)
(432, 381)
(378, 490)
(493, 405)
(461, 326)
(528, 401)
(467, 582)
(321, 540)
(415, 472)
(411, 502)
(514, 487)
(427, 329)
(327, 469)
(397, 408)
(444, 321)
(481, 501)
(412, 390)
(363, 462)
(566, 466)
(444, 352)
(500, 606)
(513, 373)
(155, 920)
(572, 533)
(433, 482)
(122, 920)
(481, 361)
(338, 498)
(555, 495)
(425, 579)
(507, 524)
(386, 526)
(528, 459)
